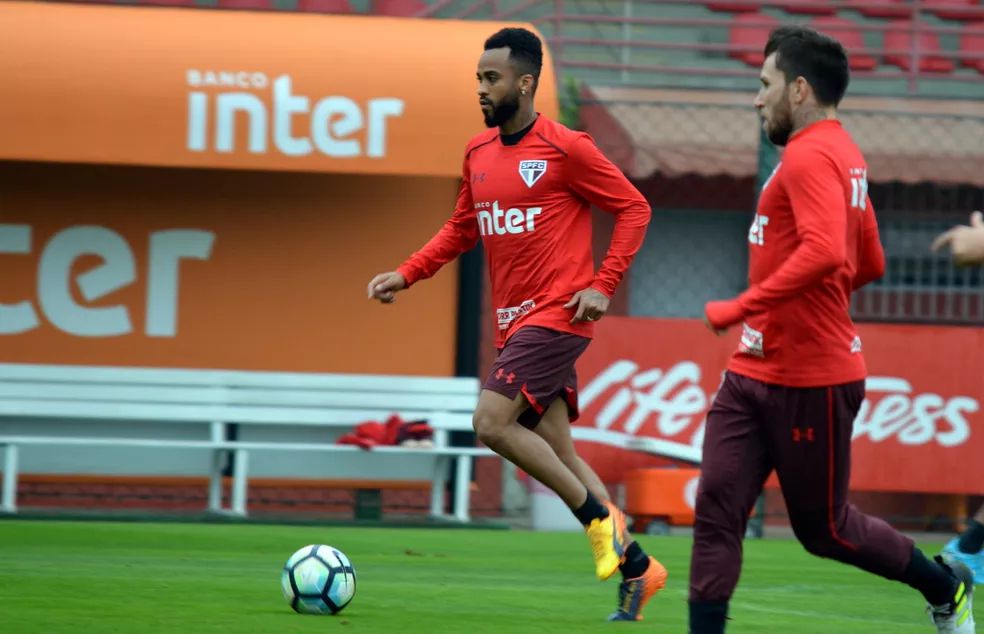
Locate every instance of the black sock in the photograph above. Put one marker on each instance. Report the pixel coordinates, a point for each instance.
(935, 582)
(636, 562)
(972, 539)
(592, 509)
(708, 617)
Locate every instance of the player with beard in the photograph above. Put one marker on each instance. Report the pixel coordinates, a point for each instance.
(794, 386)
(528, 184)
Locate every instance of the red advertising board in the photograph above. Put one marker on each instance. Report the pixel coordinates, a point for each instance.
(916, 430)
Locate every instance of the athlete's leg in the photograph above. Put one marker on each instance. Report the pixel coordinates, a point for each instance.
(642, 575)
(810, 440)
(529, 373)
(496, 426)
(967, 547)
(555, 428)
(734, 468)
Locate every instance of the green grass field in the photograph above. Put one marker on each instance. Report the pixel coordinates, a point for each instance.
(93, 577)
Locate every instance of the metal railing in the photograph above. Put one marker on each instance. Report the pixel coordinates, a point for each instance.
(615, 51)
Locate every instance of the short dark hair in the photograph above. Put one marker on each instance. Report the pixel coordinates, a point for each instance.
(820, 59)
(525, 49)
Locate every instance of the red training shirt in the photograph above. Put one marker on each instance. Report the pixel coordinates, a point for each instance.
(813, 240)
(530, 203)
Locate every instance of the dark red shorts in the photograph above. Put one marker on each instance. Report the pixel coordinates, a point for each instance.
(539, 363)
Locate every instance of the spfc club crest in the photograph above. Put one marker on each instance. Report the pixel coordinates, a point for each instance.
(531, 171)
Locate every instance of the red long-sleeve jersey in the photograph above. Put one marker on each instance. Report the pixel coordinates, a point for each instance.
(813, 240)
(530, 203)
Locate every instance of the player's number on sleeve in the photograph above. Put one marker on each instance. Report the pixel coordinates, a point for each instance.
(859, 192)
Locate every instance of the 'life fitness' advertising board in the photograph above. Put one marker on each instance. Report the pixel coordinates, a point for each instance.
(918, 429)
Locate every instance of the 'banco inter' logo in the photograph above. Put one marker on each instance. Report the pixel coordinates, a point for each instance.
(219, 103)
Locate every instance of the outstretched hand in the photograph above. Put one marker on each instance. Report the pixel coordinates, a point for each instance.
(966, 242)
(385, 286)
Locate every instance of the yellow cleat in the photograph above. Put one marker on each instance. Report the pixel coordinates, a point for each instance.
(608, 542)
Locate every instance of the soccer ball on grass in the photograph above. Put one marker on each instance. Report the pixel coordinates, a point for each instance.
(318, 579)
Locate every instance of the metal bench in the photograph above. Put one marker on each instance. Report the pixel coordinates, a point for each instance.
(57, 419)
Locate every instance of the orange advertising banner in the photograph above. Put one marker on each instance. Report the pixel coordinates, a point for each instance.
(919, 428)
(239, 89)
(132, 266)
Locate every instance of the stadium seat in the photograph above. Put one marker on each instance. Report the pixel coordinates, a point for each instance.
(972, 43)
(809, 7)
(748, 35)
(324, 6)
(404, 8)
(733, 7)
(853, 40)
(900, 40)
(246, 4)
(963, 10)
(881, 8)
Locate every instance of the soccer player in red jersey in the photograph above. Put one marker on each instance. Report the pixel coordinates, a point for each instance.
(794, 386)
(527, 188)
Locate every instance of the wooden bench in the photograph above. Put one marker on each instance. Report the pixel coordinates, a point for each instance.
(172, 422)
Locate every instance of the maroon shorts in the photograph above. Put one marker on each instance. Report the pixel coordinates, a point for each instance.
(539, 363)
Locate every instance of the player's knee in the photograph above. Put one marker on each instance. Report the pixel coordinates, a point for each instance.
(488, 427)
(818, 539)
(714, 487)
(719, 510)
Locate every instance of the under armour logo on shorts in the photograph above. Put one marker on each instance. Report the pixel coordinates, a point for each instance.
(800, 435)
(502, 373)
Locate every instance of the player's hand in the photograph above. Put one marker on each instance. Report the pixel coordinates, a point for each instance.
(591, 305)
(717, 331)
(385, 286)
(720, 315)
(966, 242)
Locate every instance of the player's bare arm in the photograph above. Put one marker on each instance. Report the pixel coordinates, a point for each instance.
(966, 242)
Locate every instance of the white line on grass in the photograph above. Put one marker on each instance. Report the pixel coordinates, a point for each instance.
(825, 616)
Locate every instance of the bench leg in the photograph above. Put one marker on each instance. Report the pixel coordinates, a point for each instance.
(368, 504)
(239, 482)
(438, 483)
(215, 482)
(8, 500)
(462, 487)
